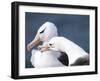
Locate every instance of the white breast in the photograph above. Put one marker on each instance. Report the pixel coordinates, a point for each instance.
(45, 59)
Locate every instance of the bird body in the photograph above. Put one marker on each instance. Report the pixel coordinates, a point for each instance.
(47, 58)
(63, 44)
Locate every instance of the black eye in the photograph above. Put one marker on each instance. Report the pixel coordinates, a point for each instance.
(42, 31)
(50, 44)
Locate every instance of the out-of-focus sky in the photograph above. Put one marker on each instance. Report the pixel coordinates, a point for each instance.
(73, 27)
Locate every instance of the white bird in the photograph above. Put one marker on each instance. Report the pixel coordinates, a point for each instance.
(76, 55)
(47, 58)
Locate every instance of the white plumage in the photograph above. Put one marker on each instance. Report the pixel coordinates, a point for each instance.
(63, 44)
(47, 58)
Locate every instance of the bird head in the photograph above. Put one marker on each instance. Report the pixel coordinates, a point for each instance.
(44, 34)
(53, 44)
(47, 31)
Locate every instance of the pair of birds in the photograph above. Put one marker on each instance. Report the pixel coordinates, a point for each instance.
(55, 51)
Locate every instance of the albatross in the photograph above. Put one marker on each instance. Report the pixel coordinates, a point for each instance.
(48, 58)
(76, 55)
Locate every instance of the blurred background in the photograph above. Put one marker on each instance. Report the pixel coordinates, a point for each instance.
(73, 27)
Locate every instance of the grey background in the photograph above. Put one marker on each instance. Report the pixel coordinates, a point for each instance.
(73, 27)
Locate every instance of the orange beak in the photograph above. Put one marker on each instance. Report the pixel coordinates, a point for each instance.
(45, 47)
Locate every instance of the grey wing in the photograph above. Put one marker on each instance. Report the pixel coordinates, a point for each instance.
(81, 61)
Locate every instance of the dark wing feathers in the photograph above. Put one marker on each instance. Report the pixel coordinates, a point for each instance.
(64, 59)
(81, 61)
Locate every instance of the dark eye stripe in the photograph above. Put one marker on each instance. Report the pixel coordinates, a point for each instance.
(50, 44)
(42, 31)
